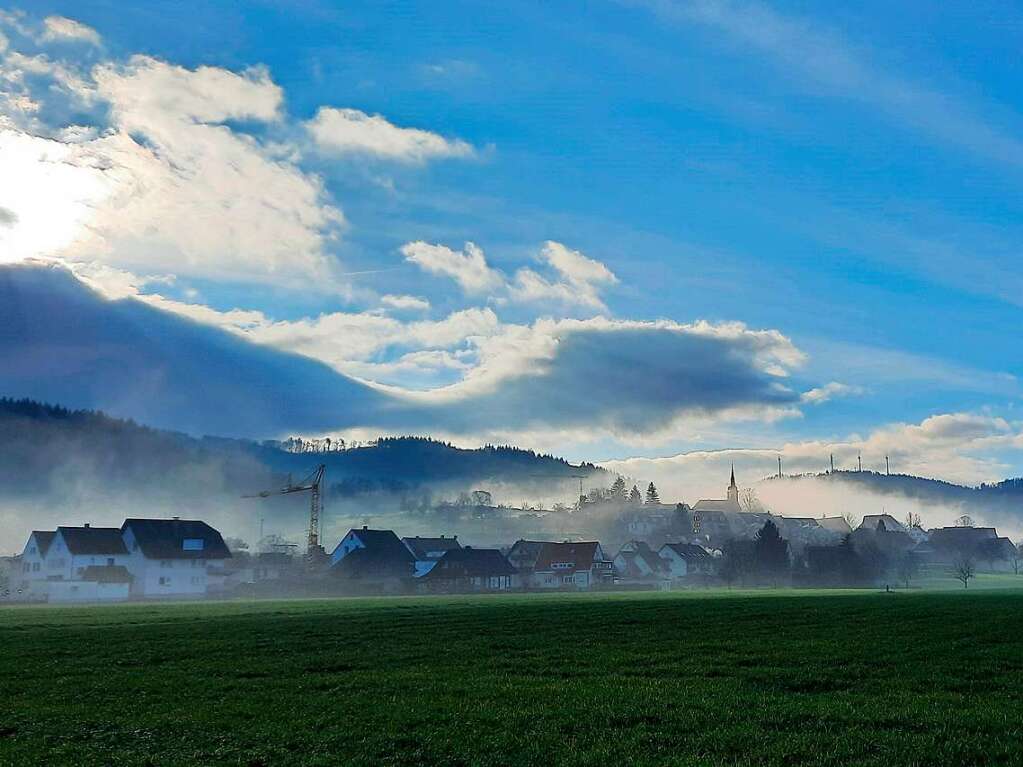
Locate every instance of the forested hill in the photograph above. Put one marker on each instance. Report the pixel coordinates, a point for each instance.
(45, 447)
(1006, 495)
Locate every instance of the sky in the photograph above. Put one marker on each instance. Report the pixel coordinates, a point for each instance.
(629, 231)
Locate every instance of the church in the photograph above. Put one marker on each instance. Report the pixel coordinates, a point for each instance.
(728, 504)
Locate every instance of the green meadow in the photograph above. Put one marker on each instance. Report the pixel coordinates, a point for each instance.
(716, 677)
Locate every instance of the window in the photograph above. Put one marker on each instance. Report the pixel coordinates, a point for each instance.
(165, 563)
(35, 567)
(164, 581)
(110, 561)
(193, 544)
(31, 549)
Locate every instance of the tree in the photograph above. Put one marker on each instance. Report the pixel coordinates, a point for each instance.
(913, 520)
(770, 552)
(651, 494)
(851, 519)
(618, 489)
(635, 497)
(750, 502)
(965, 521)
(737, 561)
(964, 570)
(1016, 557)
(907, 567)
(235, 545)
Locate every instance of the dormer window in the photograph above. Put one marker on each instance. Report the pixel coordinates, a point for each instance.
(193, 544)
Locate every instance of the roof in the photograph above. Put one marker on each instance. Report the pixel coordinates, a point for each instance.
(688, 551)
(835, 524)
(43, 539)
(943, 537)
(165, 538)
(726, 504)
(100, 541)
(107, 574)
(423, 548)
(471, 563)
(891, 524)
(382, 554)
(637, 550)
(580, 556)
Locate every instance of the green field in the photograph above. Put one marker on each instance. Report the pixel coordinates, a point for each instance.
(703, 678)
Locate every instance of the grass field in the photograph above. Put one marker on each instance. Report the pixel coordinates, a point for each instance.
(706, 678)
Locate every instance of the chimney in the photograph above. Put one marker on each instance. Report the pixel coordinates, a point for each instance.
(85, 525)
(365, 527)
(176, 519)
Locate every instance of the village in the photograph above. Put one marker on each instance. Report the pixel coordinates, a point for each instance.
(715, 542)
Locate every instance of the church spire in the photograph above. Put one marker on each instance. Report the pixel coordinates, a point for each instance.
(733, 489)
(732, 483)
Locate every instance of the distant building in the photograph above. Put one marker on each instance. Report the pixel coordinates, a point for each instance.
(887, 521)
(837, 525)
(144, 558)
(469, 570)
(523, 555)
(636, 562)
(172, 557)
(581, 565)
(373, 557)
(686, 560)
(983, 544)
(427, 551)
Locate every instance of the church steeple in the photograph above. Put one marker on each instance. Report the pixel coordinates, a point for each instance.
(733, 489)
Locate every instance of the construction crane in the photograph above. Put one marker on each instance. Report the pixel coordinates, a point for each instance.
(313, 485)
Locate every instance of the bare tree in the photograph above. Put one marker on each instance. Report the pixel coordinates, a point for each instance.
(750, 501)
(965, 521)
(964, 570)
(907, 567)
(913, 520)
(851, 519)
(1016, 557)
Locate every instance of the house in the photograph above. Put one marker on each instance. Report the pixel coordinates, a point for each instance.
(29, 583)
(685, 560)
(469, 569)
(983, 544)
(887, 521)
(636, 562)
(172, 557)
(523, 555)
(838, 525)
(427, 551)
(53, 563)
(375, 557)
(580, 565)
(10, 572)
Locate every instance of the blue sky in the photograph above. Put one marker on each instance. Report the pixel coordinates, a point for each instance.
(847, 177)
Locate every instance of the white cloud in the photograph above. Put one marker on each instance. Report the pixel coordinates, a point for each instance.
(349, 131)
(958, 447)
(59, 29)
(405, 303)
(828, 392)
(468, 267)
(168, 186)
(578, 282)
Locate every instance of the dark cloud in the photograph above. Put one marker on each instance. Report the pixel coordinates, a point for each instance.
(67, 344)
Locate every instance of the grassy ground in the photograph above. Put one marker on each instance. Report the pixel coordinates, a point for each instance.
(708, 678)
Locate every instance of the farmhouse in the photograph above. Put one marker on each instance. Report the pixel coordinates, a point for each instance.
(580, 565)
(469, 569)
(883, 522)
(523, 555)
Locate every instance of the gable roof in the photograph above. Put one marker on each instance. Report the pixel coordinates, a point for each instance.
(100, 541)
(580, 556)
(43, 540)
(835, 524)
(381, 543)
(525, 548)
(690, 552)
(637, 550)
(382, 555)
(424, 548)
(471, 563)
(891, 524)
(164, 538)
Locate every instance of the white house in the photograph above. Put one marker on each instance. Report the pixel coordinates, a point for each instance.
(581, 565)
(686, 559)
(29, 583)
(172, 557)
